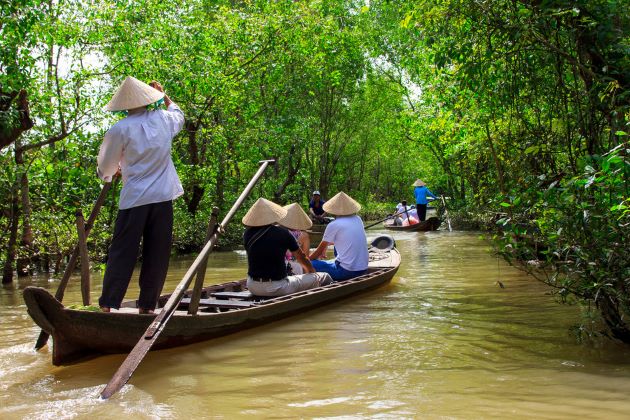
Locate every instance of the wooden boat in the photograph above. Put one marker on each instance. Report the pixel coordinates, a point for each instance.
(432, 223)
(224, 308)
(316, 233)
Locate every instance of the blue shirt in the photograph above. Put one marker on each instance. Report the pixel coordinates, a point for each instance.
(317, 209)
(421, 195)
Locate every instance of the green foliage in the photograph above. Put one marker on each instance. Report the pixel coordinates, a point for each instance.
(517, 110)
(578, 242)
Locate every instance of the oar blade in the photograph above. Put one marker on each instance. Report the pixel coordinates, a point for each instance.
(42, 340)
(124, 372)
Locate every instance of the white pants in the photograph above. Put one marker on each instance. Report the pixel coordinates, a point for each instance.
(296, 267)
(288, 285)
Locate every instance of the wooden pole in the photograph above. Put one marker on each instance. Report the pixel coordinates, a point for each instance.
(85, 259)
(43, 335)
(448, 219)
(150, 336)
(407, 214)
(201, 273)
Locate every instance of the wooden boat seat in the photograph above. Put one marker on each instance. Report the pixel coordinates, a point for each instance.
(245, 295)
(219, 303)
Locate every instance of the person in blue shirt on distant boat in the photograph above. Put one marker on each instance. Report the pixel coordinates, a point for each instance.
(421, 192)
(316, 208)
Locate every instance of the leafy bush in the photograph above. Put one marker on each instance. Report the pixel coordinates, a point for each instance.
(573, 234)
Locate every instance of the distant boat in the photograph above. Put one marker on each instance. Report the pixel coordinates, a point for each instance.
(432, 223)
(224, 308)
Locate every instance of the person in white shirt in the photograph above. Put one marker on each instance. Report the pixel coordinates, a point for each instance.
(402, 211)
(347, 234)
(139, 148)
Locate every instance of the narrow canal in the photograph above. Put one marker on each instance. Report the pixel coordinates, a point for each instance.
(442, 341)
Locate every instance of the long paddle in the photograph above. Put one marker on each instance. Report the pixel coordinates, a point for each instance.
(152, 333)
(61, 289)
(448, 219)
(389, 217)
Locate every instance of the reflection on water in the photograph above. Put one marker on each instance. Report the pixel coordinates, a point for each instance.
(443, 340)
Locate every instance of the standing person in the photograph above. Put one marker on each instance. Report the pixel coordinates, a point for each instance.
(297, 222)
(139, 147)
(347, 234)
(316, 208)
(266, 245)
(421, 192)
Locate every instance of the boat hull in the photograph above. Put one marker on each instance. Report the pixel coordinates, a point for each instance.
(81, 334)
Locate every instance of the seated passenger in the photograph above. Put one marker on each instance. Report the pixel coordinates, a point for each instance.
(347, 234)
(402, 213)
(316, 209)
(266, 245)
(297, 222)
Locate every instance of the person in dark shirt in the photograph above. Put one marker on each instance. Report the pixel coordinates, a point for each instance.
(266, 245)
(316, 208)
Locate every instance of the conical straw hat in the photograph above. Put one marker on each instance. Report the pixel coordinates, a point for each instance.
(341, 205)
(133, 93)
(418, 183)
(295, 219)
(263, 212)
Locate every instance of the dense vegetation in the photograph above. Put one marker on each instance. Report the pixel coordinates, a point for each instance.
(518, 110)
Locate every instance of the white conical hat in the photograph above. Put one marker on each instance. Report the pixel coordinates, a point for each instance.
(295, 219)
(418, 183)
(341, 205)
(133, 93)
(263, 212)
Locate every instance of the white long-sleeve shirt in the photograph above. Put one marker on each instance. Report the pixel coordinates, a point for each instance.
(141, 145)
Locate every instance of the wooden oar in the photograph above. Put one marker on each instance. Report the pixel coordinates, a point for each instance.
(61, 289)
(388, 217)
(152, 333)
(448, 219)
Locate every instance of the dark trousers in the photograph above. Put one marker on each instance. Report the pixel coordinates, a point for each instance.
(422, 211)
(153, 223)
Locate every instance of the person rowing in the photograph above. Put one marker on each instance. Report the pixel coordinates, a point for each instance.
(421, 192)
(139, 147)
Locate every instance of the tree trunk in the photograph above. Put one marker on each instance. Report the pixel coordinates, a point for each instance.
(497, 162)
(614, 319)
(7, 275)
(26, 241)
(294, 164)
(195, 194)
(220, 189)
(9, 134)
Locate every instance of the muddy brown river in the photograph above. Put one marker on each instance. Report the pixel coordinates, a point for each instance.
(443, 340)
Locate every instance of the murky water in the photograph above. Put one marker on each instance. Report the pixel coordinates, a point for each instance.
(442, 341)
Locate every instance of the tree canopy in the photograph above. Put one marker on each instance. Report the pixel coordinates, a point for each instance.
(518, 110)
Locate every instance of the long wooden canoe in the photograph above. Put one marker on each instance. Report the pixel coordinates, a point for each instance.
(224, 308)
(432, 223)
